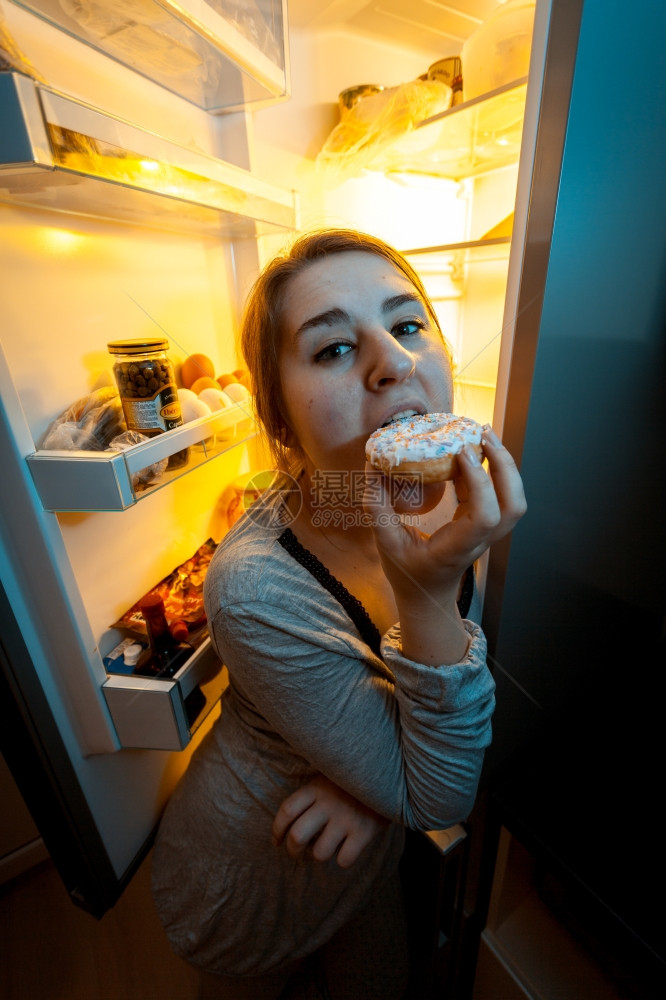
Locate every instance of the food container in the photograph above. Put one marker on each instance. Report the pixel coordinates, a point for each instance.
(350, 97)
(499, 51)
(244, 491)
(147, 388)
(448, 71)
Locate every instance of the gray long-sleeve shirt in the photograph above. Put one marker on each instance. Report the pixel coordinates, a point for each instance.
(306, 696)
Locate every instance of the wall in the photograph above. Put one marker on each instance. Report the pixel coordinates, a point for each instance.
(287, 137)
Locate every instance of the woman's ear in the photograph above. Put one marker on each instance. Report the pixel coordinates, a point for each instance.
(287, 437)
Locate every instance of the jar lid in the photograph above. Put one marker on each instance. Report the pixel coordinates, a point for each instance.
(132, 654)
(143, 346)
(151, 603)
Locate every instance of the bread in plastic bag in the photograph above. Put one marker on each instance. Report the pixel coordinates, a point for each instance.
(89, 424)
(372, 125)
(151, 474)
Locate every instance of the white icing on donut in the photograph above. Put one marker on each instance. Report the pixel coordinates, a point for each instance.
(421, 439)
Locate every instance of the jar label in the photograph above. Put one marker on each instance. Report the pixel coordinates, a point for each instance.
(159, 413)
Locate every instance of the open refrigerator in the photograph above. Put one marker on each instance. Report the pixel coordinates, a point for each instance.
(162, 232)
(127, 213)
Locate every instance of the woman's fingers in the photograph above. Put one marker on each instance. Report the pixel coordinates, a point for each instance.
(479, 503)
(506, 479)
(294, 806)
(490, 504)
(322, 820)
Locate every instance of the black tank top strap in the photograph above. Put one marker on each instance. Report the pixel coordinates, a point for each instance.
(359, 616)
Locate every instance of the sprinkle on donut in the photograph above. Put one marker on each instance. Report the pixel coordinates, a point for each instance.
(423, 447)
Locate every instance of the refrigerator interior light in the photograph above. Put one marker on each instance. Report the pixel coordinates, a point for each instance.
(63, 241)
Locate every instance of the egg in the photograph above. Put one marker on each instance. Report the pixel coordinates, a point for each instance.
(184, 394)
(215, 398)
(237, 392)
(224, 380)
(194, 367)
(194, 408)
(204, 383)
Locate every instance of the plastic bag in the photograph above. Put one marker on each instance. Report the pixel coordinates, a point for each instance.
(89, 424)
(498, 52)
(253, 22)
(376, 122)
(151, 474)
(181, 591)
(138, 31)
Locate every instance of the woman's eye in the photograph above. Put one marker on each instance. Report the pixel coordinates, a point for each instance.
(407, 327)
(332, 351)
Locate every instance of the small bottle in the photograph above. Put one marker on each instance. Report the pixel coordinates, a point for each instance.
(179, 630)
(132, 654)
(147, 387)
(167, 653)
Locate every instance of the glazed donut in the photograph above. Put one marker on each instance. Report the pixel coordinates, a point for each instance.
(423, 447)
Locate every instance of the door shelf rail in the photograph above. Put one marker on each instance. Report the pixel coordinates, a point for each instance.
(113, 480)
(164, 713)
(60, 154)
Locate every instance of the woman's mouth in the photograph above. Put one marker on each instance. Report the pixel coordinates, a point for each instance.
(401, 415)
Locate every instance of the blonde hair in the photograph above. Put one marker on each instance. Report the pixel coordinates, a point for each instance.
(262, 326)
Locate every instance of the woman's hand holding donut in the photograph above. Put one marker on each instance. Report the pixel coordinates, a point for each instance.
(425, 570)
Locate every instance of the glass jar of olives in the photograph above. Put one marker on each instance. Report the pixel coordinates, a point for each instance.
(147, 387)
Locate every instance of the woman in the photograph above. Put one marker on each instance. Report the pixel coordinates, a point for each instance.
(359, 700)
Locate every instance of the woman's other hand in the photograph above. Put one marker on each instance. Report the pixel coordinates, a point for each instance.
(327, 822)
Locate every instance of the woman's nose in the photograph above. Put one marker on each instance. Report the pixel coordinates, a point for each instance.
(390, 362)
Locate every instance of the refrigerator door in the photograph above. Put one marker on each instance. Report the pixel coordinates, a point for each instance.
(90, 251)
(578, 593)
(38, 758)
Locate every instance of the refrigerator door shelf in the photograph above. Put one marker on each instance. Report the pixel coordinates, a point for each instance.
(60, 154)
(464, 141)
(217, 55)
(110, 480)
(154, 714)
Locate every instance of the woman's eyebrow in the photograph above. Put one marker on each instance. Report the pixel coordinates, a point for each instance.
(330, 317)
(406, 298)
(336, 315)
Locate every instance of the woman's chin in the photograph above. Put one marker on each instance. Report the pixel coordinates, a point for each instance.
(413, 497)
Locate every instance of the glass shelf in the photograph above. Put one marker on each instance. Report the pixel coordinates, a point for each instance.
(218, 54)
(110, 481)
(61, 154)
(466, 283)
(469, 139)
(476, 246)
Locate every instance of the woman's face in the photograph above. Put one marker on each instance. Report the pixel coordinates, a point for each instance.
(358, 348)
